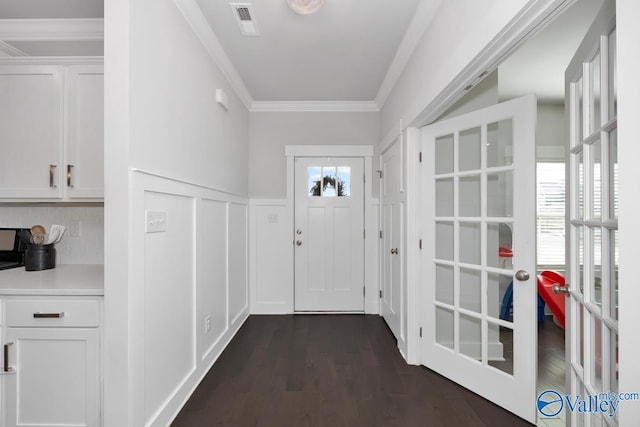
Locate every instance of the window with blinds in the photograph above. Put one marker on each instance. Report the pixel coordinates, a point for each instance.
(550, 224)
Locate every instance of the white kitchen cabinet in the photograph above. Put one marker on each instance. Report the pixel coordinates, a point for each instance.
(51, 132)
(31, 131)
(84, 156)
(55, 355)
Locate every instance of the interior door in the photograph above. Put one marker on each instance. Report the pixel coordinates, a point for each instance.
(479, 194)
(592, 256)
(392, 251)
(329, 234)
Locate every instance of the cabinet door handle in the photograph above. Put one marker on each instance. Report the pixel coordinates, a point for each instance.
(69, 173)
(52, 176)
(6, 367)
(48, 315)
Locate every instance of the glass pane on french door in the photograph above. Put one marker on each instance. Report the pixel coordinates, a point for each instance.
(472, 274)
(593, 232)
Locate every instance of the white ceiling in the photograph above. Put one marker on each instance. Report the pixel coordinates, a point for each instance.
(539, 65)
(341, 53)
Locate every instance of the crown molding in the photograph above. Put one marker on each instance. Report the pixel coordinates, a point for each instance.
(201, 28)
(52, 60)
(313, 106)
(51, 29)
(419, 23)
(6, 50)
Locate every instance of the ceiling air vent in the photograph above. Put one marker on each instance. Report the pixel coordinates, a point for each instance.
(243, 13)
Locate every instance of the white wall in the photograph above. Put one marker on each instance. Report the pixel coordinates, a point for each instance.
(177, 129)
(628, 14)
(443, 52)
(87, 248)
(271, 132)
(550, 132)
(169, 148)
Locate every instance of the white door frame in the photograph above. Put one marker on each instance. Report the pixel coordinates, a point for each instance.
(370, 212)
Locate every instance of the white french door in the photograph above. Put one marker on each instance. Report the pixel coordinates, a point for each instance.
(478, 195)
(329, 234)
(392, 251)
(592, 256)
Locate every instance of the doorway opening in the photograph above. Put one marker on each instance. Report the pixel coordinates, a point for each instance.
(538, 67)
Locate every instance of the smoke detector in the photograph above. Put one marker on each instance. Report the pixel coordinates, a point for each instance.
(243, 13)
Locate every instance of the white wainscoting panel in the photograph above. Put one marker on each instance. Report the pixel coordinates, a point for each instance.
(238, 263)
(169, 338)
(371, 258)
(271, 272)
(212, 278)
(195, 268)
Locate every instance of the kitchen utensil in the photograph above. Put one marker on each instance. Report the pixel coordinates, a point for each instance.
(55, 234)
(38, 234)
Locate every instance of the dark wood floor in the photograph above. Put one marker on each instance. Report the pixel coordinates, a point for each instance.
(328, 370)
(551, 366)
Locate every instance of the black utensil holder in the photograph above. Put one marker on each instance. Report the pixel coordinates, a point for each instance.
(39, 257)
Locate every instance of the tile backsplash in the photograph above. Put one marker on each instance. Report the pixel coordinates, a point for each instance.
(87, 248)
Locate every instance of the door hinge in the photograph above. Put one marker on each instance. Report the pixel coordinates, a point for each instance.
(380, 233)
(420, 157)
(420, 243)
(364, 291)
(420, 331)
(364, 178)
(364, 234)
(380, 293)
(379, 173)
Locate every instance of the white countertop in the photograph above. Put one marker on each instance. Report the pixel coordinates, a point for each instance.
(65, 279)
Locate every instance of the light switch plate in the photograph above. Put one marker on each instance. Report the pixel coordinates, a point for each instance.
(156, 221)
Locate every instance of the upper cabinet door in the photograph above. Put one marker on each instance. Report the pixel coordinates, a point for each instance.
(84, 169)
(31, 131)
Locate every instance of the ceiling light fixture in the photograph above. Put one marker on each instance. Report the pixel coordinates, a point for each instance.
(305, 7)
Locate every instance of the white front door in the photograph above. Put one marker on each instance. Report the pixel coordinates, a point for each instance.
(592, 258)
(329, 234)
(479, 195)
(392, 250)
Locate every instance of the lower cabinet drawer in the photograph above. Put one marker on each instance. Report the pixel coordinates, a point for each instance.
(52, 313)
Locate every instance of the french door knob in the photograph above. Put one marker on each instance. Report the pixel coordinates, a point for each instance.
(557, 288)
(298, 242)
(394, 251)
(522, 275)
